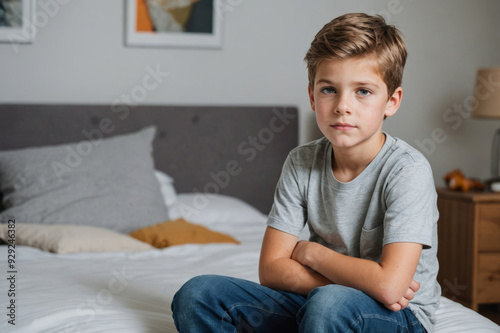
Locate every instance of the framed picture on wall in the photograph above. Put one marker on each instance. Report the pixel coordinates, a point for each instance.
(173, 23)
(17, 21)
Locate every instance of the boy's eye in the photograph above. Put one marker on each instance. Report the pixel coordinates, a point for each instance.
(363, 92)
(328, 90)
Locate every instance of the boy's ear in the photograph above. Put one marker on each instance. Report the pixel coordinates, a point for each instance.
(311, 97)
(394, 102)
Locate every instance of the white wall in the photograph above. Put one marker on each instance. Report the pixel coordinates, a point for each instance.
(79, 57)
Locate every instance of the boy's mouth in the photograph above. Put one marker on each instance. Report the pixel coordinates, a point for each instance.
(343, 126)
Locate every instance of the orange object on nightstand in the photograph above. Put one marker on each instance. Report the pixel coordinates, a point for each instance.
(456, 181)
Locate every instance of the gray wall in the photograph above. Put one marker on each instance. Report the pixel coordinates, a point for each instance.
(79, 57)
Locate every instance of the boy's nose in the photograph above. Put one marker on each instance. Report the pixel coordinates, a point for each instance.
(342, 106)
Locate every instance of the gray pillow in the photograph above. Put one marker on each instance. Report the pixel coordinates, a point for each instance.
(106, 183)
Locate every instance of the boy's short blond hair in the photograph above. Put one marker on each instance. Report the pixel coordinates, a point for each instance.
(358, 35)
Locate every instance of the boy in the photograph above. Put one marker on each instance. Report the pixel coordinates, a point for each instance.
(369, 201)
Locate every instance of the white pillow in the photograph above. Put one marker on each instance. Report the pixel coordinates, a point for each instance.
(169, 194)
(63, 238)
(215, 209)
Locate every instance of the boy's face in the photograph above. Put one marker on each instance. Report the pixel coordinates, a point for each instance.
(350, 100)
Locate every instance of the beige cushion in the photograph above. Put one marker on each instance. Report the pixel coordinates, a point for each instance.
(72, 238)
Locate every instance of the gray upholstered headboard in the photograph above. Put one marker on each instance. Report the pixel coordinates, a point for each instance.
(196, 145)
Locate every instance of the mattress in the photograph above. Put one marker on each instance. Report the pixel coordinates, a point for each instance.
(132, 291)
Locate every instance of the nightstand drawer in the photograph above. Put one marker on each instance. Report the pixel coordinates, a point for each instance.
(488, 290)
(469, 246)
(489, 228)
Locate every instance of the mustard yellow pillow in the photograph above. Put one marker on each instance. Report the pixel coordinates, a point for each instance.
(179, 232)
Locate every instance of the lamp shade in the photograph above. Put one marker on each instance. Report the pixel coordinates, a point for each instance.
(487, 93)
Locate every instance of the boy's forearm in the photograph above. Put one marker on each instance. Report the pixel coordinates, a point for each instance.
(278, 270)
(290, 275)
(382, 284)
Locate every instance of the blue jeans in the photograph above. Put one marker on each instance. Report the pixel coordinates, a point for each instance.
(212, 303)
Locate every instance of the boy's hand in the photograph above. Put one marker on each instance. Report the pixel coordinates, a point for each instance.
(405, 300)
(305, 251)
(298, 251)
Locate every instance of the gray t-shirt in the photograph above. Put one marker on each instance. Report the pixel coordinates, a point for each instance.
(392, 200)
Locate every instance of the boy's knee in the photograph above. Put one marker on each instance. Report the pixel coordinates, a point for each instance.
(328, 307)
(333, 293)
(201, 282)
(190, 293)
(330, 299)
(191, 301)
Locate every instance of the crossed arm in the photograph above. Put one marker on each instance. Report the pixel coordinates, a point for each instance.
(300, 267)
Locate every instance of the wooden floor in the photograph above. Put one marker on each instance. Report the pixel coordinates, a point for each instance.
(491, 311)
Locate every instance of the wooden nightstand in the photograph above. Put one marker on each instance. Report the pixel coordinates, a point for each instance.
(469, 246)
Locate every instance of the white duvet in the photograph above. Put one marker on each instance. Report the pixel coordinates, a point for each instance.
(132, 292)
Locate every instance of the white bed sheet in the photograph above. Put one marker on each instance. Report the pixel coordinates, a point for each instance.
(131, 292)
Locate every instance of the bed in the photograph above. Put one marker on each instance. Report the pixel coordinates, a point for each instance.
(101, 172)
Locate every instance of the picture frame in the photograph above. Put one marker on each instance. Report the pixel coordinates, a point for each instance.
(17, 21)
(159, 23)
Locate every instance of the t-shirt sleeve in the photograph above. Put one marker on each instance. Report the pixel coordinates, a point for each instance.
(289, 210)
(411, 203)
